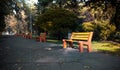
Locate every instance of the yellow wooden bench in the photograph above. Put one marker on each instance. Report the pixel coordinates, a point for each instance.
(82, 38)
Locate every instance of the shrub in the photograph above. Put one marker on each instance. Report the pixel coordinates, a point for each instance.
(115, 36)
(102, 30)
(58, 22)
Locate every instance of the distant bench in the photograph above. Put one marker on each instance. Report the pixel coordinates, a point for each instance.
(82, 38)
(41, 37)
(28, 36)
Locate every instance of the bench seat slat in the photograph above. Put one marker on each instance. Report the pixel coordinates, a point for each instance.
(79, 39)
(81, 32)
(79, 36)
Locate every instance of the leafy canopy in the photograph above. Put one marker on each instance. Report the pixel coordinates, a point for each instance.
(57, 22)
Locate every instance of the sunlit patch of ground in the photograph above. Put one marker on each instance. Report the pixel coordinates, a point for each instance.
(107, 47)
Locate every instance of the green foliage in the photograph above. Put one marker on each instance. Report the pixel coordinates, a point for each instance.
(106, 30)
(116, 36)
(88, 26)
(57, 22)
(5, 8)
(103, 24)
(2, 24)
(102, 30)
(117, 17)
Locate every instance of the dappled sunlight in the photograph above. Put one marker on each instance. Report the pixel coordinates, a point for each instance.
(23, 14)
(16, 24)
(11, 22)
(49, 49)
(22, 21)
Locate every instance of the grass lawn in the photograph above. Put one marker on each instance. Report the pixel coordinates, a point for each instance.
(107, 47)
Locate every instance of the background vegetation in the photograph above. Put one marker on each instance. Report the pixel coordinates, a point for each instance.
(97, 16)
(100, 16)
(58, 22)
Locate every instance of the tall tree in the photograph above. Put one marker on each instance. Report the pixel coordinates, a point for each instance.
(106, 17)
(42, 5)
(57, 21)
(5, 8)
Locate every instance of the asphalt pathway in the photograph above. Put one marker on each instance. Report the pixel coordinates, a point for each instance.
(17, 53)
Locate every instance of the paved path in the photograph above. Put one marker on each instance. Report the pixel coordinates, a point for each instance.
(17, 53)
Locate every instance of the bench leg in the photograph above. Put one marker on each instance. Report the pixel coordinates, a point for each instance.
(64, 44)
(80, 46)
(30, 37)
(40, 39)
(71, 44)
(89, 49)
(44, 39)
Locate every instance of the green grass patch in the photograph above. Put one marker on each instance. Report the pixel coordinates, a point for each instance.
(106, 47)
(54, 41)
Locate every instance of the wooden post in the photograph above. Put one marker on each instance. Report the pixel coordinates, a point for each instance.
(64, 44)
(80, 46)
(89, 49)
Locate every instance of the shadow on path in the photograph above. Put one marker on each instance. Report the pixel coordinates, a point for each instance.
(17, 53)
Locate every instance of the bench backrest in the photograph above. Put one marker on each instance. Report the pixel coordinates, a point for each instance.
(85, 36)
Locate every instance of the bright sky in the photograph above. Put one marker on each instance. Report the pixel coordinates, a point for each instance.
(31, 1)
(35, 1)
